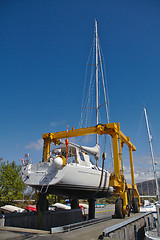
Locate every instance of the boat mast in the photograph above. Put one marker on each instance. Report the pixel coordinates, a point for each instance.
(152, 155)
(97, 140)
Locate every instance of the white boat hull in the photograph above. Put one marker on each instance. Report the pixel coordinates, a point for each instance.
(149, 208)
(71, 180)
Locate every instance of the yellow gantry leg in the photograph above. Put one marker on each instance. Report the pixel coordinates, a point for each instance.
(116, 154)
(46, 149)
(120, 154)
(131, 164)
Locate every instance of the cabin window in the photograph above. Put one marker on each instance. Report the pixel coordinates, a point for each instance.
(81, 156)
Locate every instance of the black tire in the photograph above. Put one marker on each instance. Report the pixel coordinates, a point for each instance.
(118, 208)
(129, 203)
(128, 211)
(135, 205)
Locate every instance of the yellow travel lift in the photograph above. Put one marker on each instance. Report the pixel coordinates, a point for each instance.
(128, 196)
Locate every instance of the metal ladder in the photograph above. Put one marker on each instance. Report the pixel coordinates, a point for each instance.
(46, 188)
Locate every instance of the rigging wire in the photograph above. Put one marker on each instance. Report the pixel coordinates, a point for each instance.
(106, 85)
(89, 98)
(105, 97)
(84, 103)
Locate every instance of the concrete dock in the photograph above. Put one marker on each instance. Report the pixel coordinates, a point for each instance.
(20, 233)
(92, 232)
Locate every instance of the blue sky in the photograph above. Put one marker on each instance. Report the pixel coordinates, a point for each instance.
(44, 47)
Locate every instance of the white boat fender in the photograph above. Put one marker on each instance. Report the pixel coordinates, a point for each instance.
(59, 161)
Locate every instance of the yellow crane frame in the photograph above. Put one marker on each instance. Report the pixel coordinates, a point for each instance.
(117, 179)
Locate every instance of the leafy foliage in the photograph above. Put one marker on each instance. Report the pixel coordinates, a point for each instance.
(11, 185)
(53, 199)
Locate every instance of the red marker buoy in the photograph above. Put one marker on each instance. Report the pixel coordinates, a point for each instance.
(67, 142)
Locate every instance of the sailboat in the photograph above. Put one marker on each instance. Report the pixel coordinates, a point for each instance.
(68, 170)
(153, 234)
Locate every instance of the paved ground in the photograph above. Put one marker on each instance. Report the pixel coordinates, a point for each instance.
(86, 233)
(20, 233)
(11, 235)
(92, 232)
(107, 210)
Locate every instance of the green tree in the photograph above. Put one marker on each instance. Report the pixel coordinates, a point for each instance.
(11, 185)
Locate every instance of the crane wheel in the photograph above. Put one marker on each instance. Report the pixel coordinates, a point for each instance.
(128, 211)
(119, 208)
(128, 207)
(135, 205)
